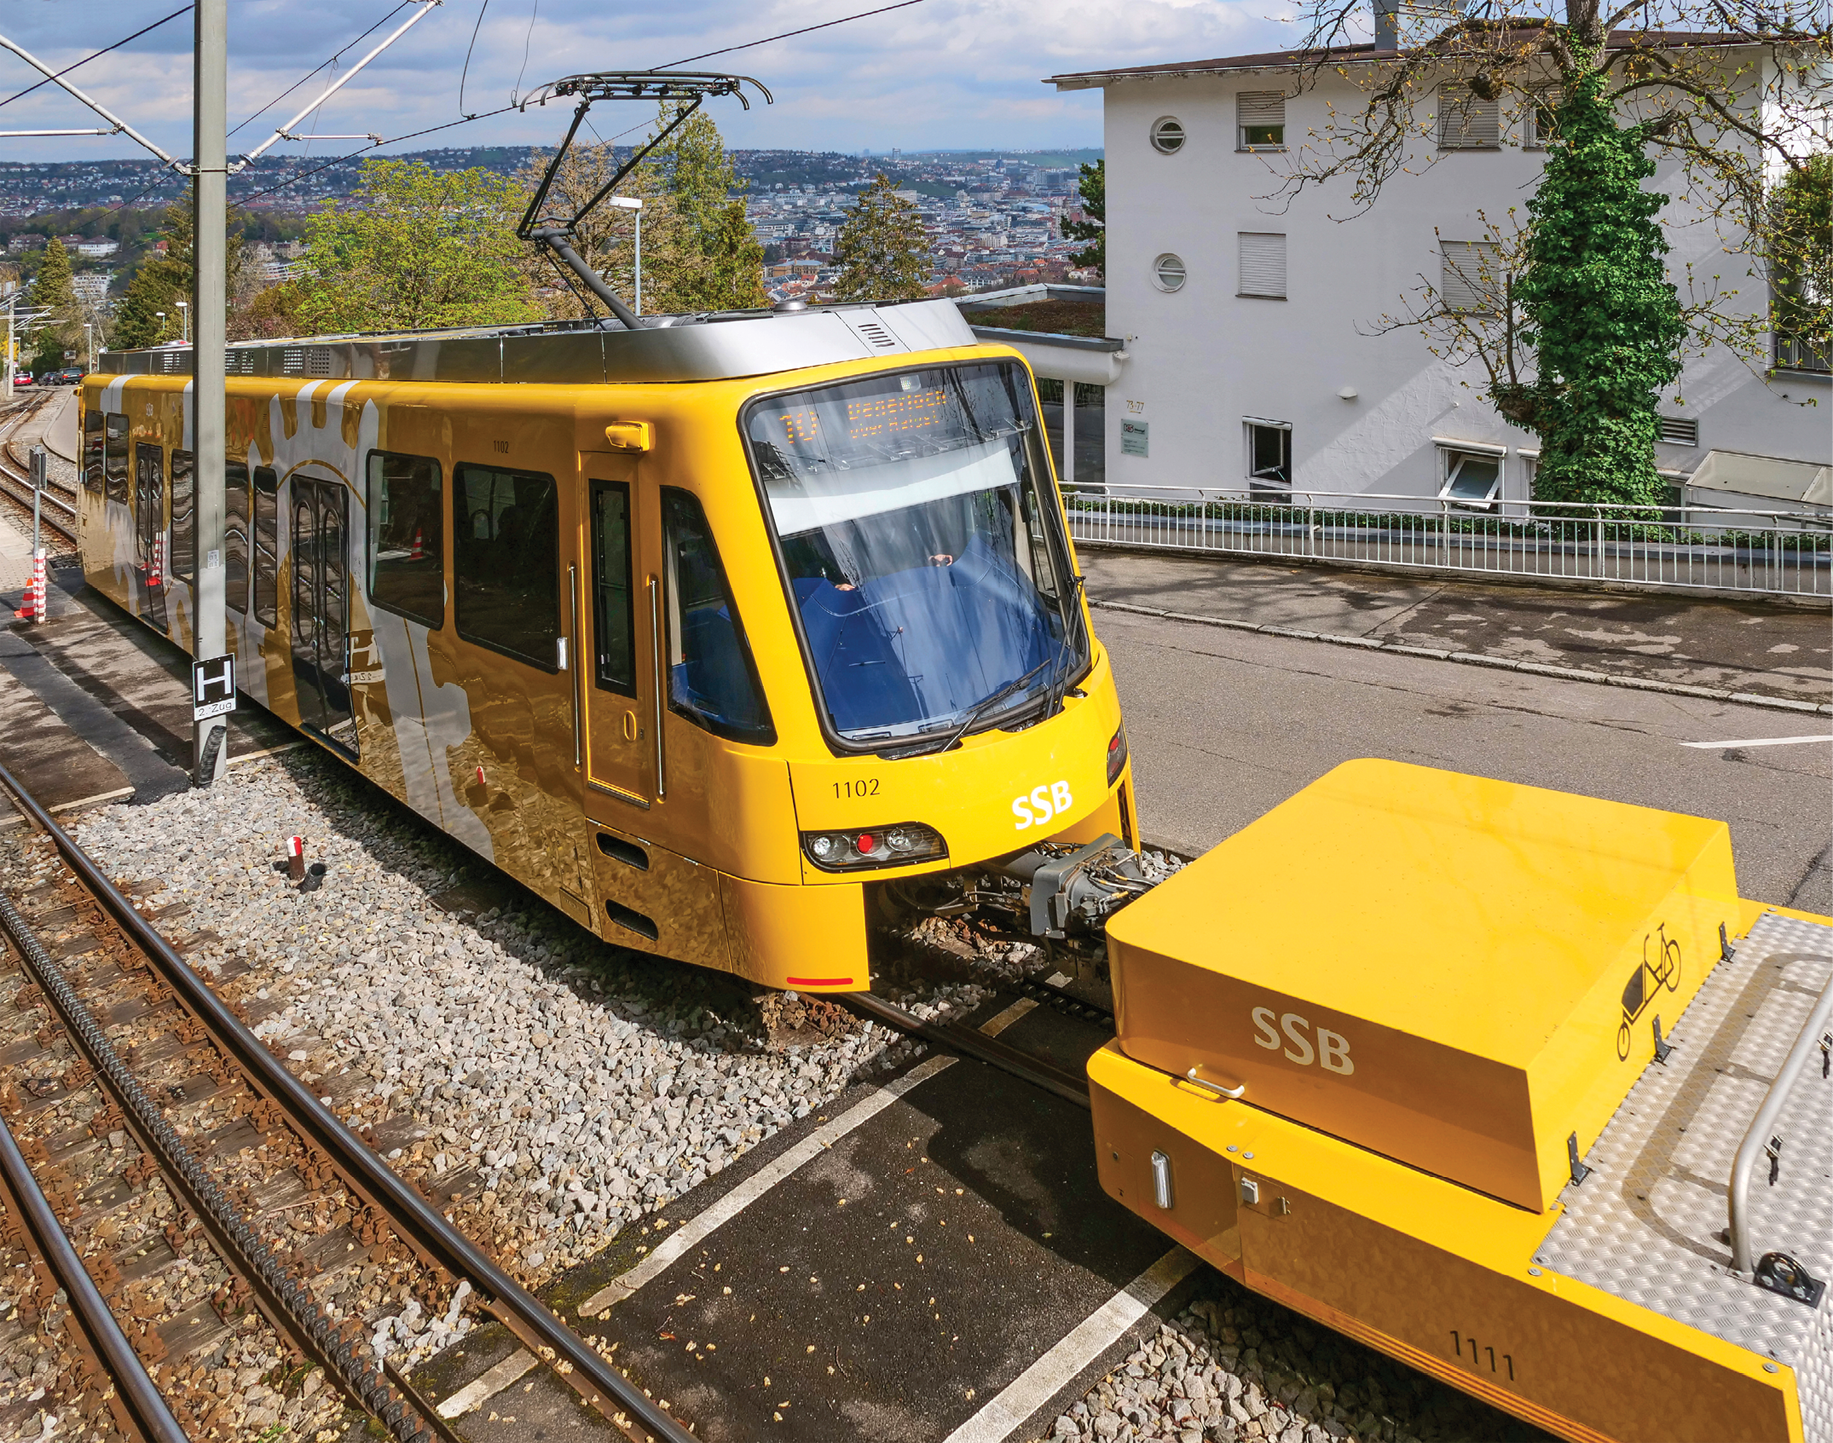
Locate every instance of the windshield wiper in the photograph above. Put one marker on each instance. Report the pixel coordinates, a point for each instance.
(975, 712)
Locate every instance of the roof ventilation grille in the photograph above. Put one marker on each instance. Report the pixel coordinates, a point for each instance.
(874, 334)
(320, 361)
(292, 361)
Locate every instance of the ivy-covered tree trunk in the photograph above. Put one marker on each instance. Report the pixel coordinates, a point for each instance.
(1603, 319)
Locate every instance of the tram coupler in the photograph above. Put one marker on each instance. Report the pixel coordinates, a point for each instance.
(1076, 890)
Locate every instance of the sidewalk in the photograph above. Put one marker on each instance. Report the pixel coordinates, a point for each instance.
(1733, 646)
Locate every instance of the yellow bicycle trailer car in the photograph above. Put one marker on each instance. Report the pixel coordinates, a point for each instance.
(1507, 1083)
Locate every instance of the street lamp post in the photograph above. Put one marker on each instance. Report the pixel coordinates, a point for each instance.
(209, 406)
(89, 344)
(161, 316)
(635, 203)
(184, 322)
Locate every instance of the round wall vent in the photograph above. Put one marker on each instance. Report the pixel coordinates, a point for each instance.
(1167, 135)
(1168, 272)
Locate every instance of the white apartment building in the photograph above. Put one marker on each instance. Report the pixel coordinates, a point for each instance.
(1250, 324)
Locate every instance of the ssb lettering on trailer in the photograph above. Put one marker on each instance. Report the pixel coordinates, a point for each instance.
(1331, 1052)
(1041, 804)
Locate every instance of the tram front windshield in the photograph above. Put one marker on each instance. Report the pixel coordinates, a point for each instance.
(924, 552)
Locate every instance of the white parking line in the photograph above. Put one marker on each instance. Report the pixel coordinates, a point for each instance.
(1757, 742)
(487, 1384)
(1039, 1383)
(755, 1186)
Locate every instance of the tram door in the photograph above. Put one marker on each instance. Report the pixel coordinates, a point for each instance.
(619, 668)
(149, 531)
(321, 608)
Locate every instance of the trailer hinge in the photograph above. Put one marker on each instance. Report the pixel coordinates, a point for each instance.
(1782, 1274)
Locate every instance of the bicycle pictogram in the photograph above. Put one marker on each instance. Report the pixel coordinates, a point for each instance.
(1651, 975)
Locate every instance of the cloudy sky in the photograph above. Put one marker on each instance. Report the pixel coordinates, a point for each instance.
(942, 73)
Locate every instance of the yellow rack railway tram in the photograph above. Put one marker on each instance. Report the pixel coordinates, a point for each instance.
(694, 629)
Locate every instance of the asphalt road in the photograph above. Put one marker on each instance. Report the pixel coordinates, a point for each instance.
(1224, 725)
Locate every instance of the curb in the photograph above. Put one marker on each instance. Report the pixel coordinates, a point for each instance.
(1474, 658)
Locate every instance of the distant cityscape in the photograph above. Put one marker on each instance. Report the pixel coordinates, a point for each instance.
(991, 218)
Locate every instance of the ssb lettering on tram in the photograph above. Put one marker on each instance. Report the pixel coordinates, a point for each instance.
(1331, 1052)
(1041, 804)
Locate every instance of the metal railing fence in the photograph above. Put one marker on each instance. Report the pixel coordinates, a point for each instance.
(1761, 553)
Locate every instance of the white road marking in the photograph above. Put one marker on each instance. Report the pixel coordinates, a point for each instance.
(487, 1384)
(1039, 1383)
(1757, 742)
(999, 1022)
(755, 1186)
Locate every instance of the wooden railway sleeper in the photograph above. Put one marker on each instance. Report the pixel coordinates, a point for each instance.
(286, 1302)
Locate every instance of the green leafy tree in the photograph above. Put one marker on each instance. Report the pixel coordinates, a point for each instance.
(418, 248)
(1579, 324)
(881, 248)
(1603, 319)
(606, 238)
(159, 282)
(59, 330)
(1093, 188)
(720, 265)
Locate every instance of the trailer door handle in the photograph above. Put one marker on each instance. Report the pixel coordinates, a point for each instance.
(1229, 1092)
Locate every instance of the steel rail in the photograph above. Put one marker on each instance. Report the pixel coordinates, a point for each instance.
(412, 1218)
(286, 1303)
(136, 1403)
(1737, 1198)
(969, 1043)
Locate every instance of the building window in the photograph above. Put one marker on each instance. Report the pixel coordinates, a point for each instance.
(407, 537)
(1260, 120)
(1466, 121)
(1471, 478)
(1269, 453)
(1539, 123)
(1167, 135)
(506, 562)
(1263, 265)
(1468, 278)
(1680, 430)
(1168, 272)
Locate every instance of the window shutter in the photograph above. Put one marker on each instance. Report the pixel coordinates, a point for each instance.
(1260, 107)
(1263, 264)
(1467, 279)
(1466, 122)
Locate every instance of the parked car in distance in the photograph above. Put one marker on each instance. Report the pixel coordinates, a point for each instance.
(22, 378)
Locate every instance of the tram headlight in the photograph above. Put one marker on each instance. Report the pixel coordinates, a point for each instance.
(1116, 755)
(894, 846)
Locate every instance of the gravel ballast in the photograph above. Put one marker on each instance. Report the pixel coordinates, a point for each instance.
(545, 1088)
(1234, 1366)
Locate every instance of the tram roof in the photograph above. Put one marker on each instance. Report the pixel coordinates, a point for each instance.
(704, 347)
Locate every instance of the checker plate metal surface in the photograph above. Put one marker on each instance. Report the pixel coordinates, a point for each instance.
(1646, 1224)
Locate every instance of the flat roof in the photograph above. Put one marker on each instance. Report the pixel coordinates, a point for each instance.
(1296, 59)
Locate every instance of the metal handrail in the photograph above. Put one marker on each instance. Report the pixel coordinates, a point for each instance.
(1752, 1148)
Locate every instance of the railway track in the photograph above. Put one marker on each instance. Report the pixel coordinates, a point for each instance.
(145, 1098)
(58, 512)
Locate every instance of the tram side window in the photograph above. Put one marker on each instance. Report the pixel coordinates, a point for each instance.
(92, 451)
(114, 456)
(184, 515)
(613, 618)
(506, 562)
(712, 679)
(235, 534)
(266, 550)
(406, 537)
